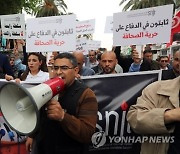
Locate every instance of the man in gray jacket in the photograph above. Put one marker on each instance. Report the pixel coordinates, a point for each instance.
(157, 113)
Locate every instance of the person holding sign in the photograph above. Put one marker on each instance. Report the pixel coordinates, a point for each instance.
(137, 58)
(148, 63)
(125, 61)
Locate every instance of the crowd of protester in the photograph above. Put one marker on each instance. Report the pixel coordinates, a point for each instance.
(17, 64)
(20, 65)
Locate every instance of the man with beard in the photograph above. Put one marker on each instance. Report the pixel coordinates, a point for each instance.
(148, 63)
(67, 124)
(108, 62)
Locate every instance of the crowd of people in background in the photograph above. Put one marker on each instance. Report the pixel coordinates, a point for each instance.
(21, 66)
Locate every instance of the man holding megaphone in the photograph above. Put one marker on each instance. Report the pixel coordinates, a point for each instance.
(66, 125)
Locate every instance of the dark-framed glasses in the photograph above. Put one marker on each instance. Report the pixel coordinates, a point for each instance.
(62, 68)
(164, 61)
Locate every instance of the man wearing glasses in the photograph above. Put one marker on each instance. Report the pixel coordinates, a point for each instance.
(67, 124)
(164, 63)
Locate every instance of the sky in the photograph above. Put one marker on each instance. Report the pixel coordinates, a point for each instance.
(98, 10)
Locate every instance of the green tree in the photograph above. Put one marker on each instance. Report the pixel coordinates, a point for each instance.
(16, 6)
(51, 8)
(32, 6)
(62, 6)
(140, 4)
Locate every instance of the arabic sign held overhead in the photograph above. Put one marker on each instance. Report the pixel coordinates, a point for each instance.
(109, 25)
(150, 25)
(93, 45)
(81, 45)
(84, 45)
(13, 26)
(85, 27)
(55, 33)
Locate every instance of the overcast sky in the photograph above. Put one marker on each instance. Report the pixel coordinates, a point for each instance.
(95, 9)
(98, 10)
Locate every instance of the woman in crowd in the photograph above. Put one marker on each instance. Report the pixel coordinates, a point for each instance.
(36, 70)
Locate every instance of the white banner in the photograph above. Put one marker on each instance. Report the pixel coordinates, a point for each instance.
(81, 45)
(13, 26)
(93, 45)
(150, 25)
(85, 27)
(109, 25)
(55, 33)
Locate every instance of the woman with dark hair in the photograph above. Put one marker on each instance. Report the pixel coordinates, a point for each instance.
(5, 68)
(36, 70)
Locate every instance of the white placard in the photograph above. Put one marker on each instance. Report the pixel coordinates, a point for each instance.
(13, 26)
(150, 25)
(93, 45)
(48, 58)
(55, 33)
(81, 45)
(109, 25)
(139, 49)
(85, 27)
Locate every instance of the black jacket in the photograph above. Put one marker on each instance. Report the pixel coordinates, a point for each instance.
(168, 74)
(52, 139)
(5, 67)
(149, 66)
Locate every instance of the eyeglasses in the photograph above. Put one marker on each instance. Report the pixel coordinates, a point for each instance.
(62, 68)
(164, 61)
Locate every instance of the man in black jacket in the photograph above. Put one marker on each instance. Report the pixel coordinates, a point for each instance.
(66, 125)
(124, 62)
(148, 63)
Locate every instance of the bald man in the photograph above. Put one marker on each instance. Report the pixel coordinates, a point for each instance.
(108, 62)
(92, 60)
(83, 70)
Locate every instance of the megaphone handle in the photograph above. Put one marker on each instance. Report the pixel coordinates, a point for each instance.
(56, 97)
